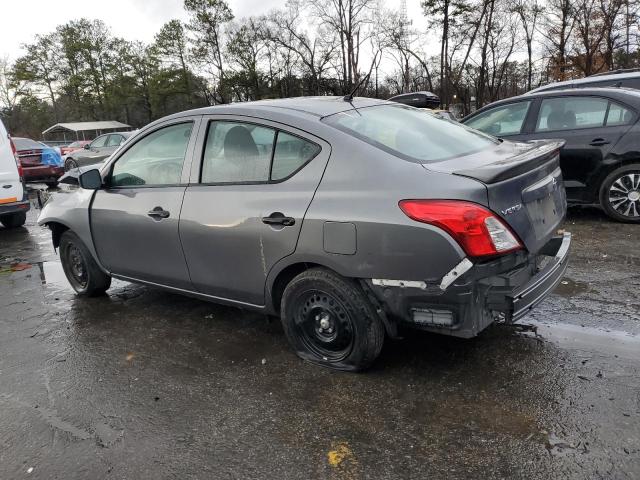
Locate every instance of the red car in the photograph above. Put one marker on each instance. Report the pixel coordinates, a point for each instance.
(30, 155)
(72, 147)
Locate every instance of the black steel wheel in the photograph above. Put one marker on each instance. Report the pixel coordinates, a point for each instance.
(80, 268)
(330, 321)
(620, 194)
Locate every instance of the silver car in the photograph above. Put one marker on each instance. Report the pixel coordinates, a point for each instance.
(348, 219)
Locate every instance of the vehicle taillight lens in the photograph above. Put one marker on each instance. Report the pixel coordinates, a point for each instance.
(15, 155)
(478, 231)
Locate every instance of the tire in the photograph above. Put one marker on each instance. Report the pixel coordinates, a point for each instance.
(70, 164)
(330, 321)
(620, 194)
(80, 268)
(14, 220)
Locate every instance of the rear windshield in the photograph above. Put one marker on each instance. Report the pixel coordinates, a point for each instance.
(26, 144)
(410, 133)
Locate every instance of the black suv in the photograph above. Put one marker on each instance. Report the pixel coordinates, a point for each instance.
(600, 161)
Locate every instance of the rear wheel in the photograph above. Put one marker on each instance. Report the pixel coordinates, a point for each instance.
(80, 268)
(14, 220)
(620, 194)
(330, 321)
(70, 164)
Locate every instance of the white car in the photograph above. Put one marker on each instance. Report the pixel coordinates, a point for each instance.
(14, 203)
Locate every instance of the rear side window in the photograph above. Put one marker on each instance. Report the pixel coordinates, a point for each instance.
(500, 121)
(568, 113)
(291, 154)
(237, 152)
(156, 159)
(114, 140)
(618, 115)
(410, 133)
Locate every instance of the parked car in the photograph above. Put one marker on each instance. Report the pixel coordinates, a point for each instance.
(96, 151)
(621, 78)
(600, 160)
(14, 203)
(72, 147)
(422, 99)
(40, 163)
(347, 219)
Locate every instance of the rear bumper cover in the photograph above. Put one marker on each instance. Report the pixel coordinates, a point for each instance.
(15, 207)
(506, 288)
(42, 173)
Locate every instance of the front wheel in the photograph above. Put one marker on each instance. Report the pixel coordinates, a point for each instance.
(80, 268)
(620, 194)
(330, 321)
(70, 164)
(14, 220)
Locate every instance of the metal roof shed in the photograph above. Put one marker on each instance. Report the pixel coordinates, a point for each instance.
(83, 130)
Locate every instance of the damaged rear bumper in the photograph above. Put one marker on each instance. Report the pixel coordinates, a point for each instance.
(506, 288)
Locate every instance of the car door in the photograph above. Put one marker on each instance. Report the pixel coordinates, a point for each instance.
(134, 218)
(504, 120)
(244, 207)
(590, 126)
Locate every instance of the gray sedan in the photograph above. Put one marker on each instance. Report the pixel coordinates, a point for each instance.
(348, 218)
(96, 151)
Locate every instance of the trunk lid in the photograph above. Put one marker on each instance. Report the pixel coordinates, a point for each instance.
(524, 186)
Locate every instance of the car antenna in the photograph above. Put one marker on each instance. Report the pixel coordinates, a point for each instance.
(349, 96)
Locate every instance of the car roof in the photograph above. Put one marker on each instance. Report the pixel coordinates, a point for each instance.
(314, 106)
(614, 77)
(629, 94)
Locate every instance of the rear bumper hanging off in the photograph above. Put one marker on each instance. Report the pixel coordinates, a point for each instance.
(505, 288)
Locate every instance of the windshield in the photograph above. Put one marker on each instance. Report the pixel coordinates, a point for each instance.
(410, 133)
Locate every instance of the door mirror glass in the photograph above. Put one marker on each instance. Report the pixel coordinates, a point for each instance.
(505, 120)
(87, 146)
(91, 179)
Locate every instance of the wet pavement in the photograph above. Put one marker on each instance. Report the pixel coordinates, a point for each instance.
(146, 384)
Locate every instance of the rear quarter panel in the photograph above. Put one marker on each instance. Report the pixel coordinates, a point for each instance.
(361, 187)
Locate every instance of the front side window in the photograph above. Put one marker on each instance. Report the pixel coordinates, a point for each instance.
(237, 152)
(410, 133)
(501, 121)
(568, 113)
(156, 159)
(99, 142)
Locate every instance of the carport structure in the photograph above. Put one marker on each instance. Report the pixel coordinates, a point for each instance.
(68, 132)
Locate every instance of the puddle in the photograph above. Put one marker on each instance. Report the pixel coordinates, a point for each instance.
(51, 273)
(568, 288)
(608, 342)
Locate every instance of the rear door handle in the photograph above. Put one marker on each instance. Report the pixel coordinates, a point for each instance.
(158, 213)
(278, 218)
(598, 142)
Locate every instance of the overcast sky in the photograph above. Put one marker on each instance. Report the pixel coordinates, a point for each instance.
(130, 19)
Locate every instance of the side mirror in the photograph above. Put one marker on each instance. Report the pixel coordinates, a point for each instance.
(91, 179)
(87, 146)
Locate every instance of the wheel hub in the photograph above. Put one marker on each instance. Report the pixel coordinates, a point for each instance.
(325, 326)
(634, 196)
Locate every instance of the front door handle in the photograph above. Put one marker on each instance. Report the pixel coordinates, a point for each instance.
(277, 218)
(158, 213)
(598, 142)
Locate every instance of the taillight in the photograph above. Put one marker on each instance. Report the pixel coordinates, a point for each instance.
(15, 156)
(478, 231)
